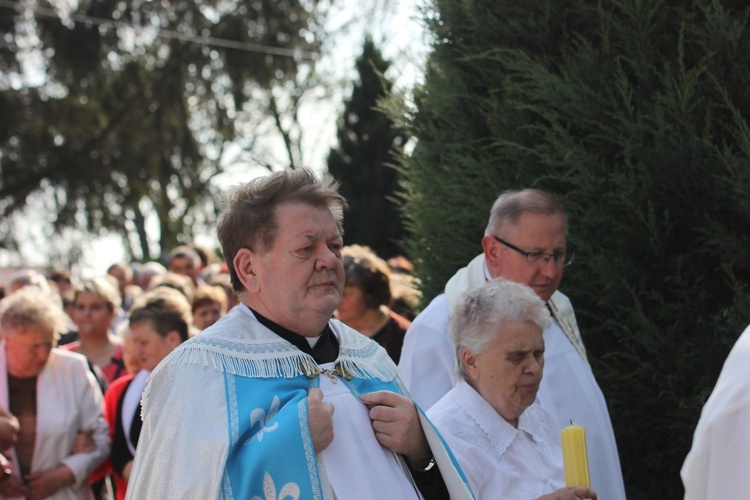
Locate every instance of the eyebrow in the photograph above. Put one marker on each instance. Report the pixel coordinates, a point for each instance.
(512, 354)
(544, 250)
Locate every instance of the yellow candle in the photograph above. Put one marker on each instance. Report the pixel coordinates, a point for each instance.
(575, 458)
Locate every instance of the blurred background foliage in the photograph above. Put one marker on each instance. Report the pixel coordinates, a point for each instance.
(115, 110)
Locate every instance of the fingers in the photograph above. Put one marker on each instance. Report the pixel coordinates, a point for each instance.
(383, 398)
(386, 406)
(586, 493)
(314, 395)
(320, 419)
(396, 424)
(572, 493)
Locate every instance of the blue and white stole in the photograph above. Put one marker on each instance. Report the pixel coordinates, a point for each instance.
(271, 452)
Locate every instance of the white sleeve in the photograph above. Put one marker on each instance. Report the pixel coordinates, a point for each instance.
(428, 366)
(183, 446)
(90, 409)
(717, 465)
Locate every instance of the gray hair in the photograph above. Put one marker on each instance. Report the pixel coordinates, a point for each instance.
(31, 307)
(150, 269)
(509, 206)
(482, 312)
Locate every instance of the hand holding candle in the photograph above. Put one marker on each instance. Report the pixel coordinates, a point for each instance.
(575, 457)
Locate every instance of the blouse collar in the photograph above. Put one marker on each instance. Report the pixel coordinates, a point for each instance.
(499, 432)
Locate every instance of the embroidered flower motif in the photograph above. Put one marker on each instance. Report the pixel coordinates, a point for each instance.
(289, 490)
(259, 416)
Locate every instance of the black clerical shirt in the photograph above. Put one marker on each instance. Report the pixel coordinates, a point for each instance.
(326, 350)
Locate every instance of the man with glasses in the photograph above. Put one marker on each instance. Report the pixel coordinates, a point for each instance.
(526, 242)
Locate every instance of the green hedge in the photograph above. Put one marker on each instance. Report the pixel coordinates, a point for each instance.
(635, 114)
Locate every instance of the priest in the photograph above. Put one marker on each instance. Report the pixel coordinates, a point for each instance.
(277, 400)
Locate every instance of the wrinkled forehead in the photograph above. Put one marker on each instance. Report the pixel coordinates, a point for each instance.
(28, 335)
(305, 220)
(536, 225)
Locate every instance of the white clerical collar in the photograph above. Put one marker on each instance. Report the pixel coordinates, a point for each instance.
(313, 340)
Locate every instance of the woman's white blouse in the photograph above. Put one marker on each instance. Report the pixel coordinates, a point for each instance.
(499, 460)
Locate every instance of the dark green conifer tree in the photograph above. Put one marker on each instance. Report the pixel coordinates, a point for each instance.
(636, 116)
(361, 162)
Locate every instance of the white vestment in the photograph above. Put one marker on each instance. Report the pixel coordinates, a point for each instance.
(190, 418)
(69, 401)
(718, 465)
(499, 460)
(568, 390)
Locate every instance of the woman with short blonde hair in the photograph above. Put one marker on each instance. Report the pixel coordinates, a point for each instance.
(54, 396)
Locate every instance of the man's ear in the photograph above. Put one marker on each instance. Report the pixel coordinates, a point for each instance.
(491, 253)
(244, 265)
(469, 360)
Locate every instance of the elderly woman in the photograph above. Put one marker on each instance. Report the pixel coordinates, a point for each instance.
(367, 295)
(54, 397)
(508, 446)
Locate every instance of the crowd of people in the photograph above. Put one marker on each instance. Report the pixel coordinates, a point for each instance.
(70, 422)
(302, 368)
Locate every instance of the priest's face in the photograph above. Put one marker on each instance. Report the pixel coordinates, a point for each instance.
(533, 232)
(299, 281)
(508, 372)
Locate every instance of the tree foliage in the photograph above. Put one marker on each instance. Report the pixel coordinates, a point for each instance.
(635, 114)
(362, 161)
(120, 109)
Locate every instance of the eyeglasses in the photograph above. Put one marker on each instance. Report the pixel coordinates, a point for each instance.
(561, 258)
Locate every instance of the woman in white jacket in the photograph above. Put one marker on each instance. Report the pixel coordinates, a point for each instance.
(53, 395)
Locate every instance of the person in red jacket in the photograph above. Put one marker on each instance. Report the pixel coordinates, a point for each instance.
(159, 321)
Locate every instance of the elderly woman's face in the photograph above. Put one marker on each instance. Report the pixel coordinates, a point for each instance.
(507, 374)
(27, 350)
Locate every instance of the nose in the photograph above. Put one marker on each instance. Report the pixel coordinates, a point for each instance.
(327, 259)
(549, 268)
(42, 353)
(534, 366)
